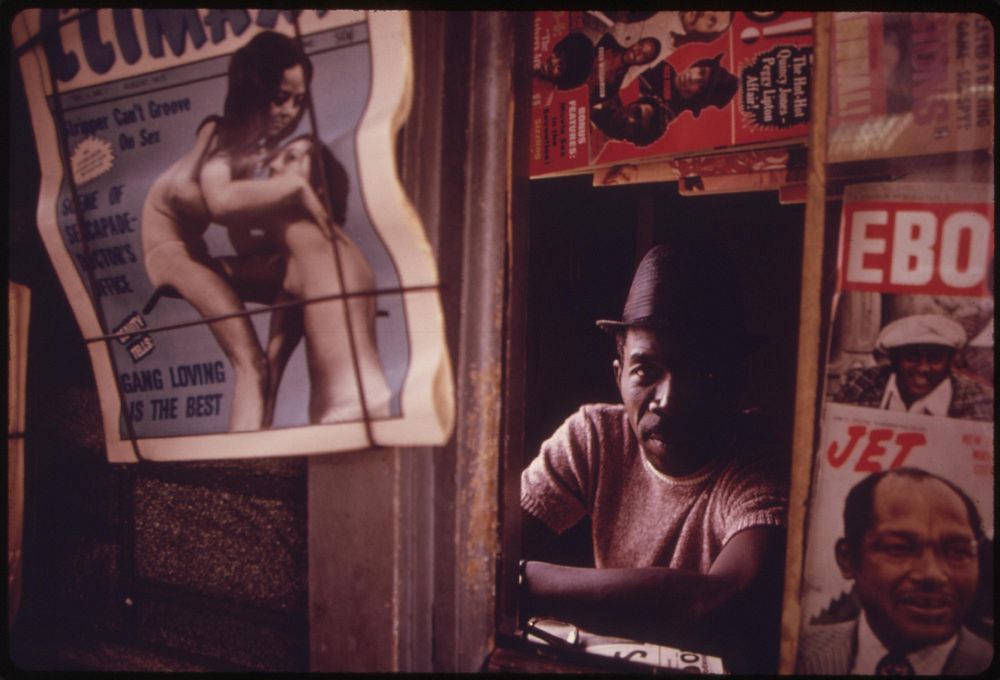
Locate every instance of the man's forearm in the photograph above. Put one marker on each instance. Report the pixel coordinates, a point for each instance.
(647, 602)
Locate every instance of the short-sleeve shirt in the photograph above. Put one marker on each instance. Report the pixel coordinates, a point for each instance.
(592, 465)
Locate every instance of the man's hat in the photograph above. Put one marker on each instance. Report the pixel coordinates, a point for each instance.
(920, 329)
(689, 290)
(719, 89)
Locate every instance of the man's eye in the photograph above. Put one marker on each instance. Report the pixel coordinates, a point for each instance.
(960, 551)
(898, 549)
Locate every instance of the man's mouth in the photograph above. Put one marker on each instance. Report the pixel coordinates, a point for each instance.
(928, 604)
(659, 431)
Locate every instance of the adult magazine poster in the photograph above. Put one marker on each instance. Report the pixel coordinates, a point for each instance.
(610, 87)
(909, 390)
(910, 83)
(221, 203)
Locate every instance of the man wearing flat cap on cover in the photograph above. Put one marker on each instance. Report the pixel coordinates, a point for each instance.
(919, 377)
(687, 510)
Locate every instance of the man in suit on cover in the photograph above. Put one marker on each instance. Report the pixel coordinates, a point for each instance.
(911, 545)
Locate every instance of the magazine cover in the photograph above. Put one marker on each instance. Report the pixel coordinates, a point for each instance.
(900, 524)
(910, 83)
(220, 201)
(616, 86)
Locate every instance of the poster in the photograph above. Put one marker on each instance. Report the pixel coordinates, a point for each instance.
(618, 86)
(910, 83)
(909, 386)
(220, 201)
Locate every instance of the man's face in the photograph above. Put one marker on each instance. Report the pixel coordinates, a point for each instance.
(692, 81)
(553, 67)
(673, 400)
(917, 568)
(920, 368)
(286, 105)
(705, 22)
(632, 120)
(641, 52)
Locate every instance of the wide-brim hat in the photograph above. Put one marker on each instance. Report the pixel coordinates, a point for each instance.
(691, 291)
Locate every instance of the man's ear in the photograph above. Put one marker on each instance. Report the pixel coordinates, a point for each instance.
(844, 559)
(617, 367)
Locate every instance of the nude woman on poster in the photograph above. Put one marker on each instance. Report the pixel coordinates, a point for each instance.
(265, 100)
(311, 273)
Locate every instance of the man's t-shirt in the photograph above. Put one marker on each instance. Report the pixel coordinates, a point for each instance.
(641, 517)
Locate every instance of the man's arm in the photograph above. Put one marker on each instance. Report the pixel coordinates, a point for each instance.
(659, 604)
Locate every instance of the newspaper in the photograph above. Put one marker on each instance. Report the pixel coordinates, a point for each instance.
(221, 203)
(620, 86)
(566, 636)
(910, 83)
(915, 277)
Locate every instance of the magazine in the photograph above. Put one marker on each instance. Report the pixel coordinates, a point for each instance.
(910, 83)
(908, 407)
(620, 86)
(753, 170)
(220, 201)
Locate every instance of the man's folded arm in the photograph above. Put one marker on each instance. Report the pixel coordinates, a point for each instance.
(659, 604)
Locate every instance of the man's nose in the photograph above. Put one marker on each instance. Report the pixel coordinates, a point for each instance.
(661, 396)
(929, 566)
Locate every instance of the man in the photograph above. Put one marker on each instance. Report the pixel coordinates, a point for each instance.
(611, 61)
(687, 517)
(919, 377)
(910, 545)
(704, 83)
(569, 63)
(640, 122)
(671, 29)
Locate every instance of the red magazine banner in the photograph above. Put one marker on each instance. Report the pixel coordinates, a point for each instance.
(917, 247)
(611, 87)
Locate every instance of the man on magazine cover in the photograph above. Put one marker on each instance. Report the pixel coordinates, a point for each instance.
(704, 83)
(919, 377)
(671, 29)
(911, 546)
(612, 61)
(687, 509)
(641, 122)
(569, 63)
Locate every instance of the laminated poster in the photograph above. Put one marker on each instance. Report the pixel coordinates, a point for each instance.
(221, 203)
(909, 384)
